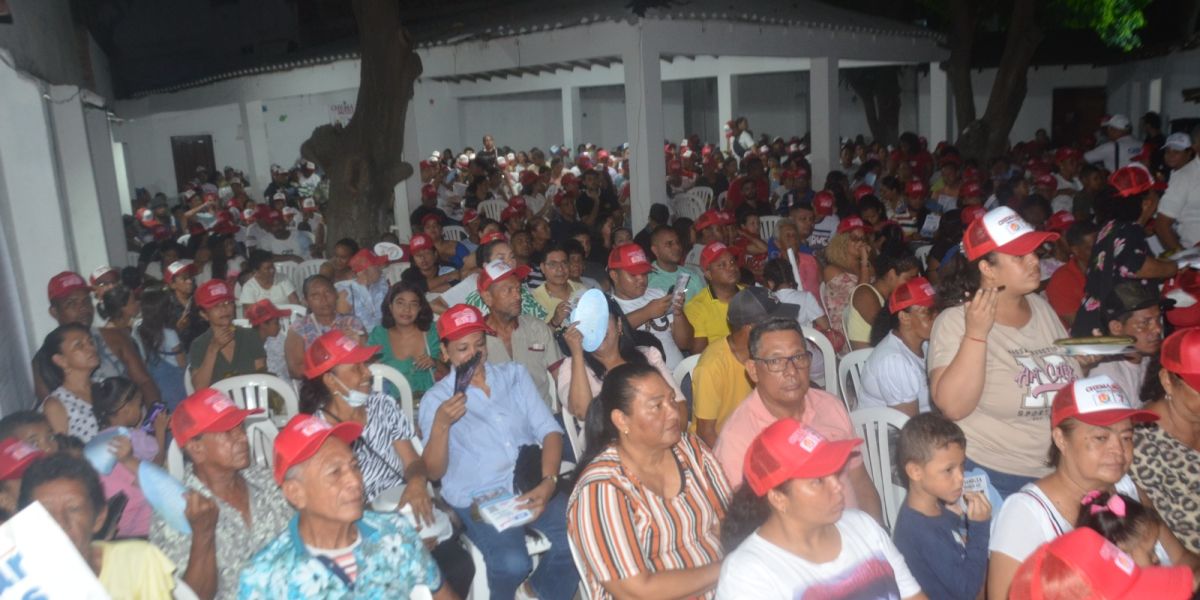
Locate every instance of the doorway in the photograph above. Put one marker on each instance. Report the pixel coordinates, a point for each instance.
(189, 152)
(1077, 113)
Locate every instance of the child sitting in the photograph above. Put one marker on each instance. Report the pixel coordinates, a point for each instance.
(31, 427)
(15, 457)
(947, 553)
(264, 317)
(1124, 522)
(117, 402)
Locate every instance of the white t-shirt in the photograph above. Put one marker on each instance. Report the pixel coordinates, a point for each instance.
(1028, 519)
(693, 255)
(660, 327)
(1130, 376)
(869, 566)
(1181, 202)
(1068, 185)
(893, 375)
(1062, 201)
(810, 310)
(1114, 155)
(278, 294)
(289, 246)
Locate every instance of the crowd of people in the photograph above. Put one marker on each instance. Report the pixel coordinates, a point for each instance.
(1035, 466)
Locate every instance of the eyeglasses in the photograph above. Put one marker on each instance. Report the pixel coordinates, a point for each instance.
(780, 364)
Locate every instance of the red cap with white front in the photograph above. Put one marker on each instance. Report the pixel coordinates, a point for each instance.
(1003, 230)
(303, 436)
(420, 242)
(1096, 401)
(178, 268)
(788, 450)
(461, 320)
(629, 257)
(102, 272)
(498, 270)
(914, 292)
(712, 252)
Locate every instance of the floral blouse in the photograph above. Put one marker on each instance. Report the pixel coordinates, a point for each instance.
(836, 296)
(1119, 253)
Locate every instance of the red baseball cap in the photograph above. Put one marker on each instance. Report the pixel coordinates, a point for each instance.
(970, 213)
(511, 212)
(851, 223)
(429, 191)
(1109, 572)
(460, 320)
(15, 457)
(970, 174)
(206, 411)
(365, 259)
(1131, 181)
(64, 284)
(431, 217)
(303, 436)
(264, 310)
(1184, 290)
(712, 252)
(1180, 354)
(823, 202)
(1060, 221)
(469, 216)
(568, 179)
(517, 202)
(789, 450)
(419, 242)
(1002, 230)
(528, 178)
(178, 268)
(333, 349)
(145, 216)
(914, 292)
(863, 190)
(707, 219)
(629, 257)
(103, 271)
(1096, 401)
(498, 270)
(495, 236)
(1046, 180)
(950, 160)
(212, 293)
(971, 189)
(1065, 153)
(915, 188)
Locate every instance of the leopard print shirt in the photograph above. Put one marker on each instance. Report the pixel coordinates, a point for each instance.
(1169, 473)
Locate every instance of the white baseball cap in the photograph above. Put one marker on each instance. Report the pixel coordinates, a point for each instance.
(1178, 141)
(1117, 121)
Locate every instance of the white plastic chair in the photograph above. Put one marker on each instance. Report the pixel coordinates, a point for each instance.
(381, 374)
(851, 366)
(305, 270)
(260, 433)
(685, 367)
(876, 426)
(704, 195)
(575, 433)
(686, 205)
(393, 271)
(492, 208)
(286, 270)
(251, 391)
(721, 200)
(767, 226)
(454, 232)
(922, 254)
(827, 354)
(187, 381)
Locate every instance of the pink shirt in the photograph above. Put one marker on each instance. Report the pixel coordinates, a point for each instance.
(823, 412)
(810, 273)
(135, 521)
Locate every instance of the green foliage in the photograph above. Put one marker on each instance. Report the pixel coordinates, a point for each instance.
(1115, 21)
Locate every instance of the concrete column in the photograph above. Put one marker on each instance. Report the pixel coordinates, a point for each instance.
(78, 179)
(644, 126)
(572, 116)
(726, 102)
(408, 192)
(1154, 95)
(824, 118)
(939, 106)
(254, 136)
(111, 202)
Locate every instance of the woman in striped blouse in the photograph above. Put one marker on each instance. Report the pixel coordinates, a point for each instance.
(644, 518)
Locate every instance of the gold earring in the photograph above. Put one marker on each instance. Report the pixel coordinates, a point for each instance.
(626, 432)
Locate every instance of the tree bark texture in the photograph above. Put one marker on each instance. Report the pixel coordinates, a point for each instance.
(362, 159)
(879, 90)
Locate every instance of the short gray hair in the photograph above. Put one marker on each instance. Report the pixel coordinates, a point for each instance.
(771, 325)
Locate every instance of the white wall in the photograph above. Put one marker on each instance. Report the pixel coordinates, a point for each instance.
(517, 120)
(291, 121)
(147, 142)
(42, 40)
(1128, 85)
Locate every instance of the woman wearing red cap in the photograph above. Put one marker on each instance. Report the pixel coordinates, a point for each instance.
(894, 375)
(1166, 453)
(789, 534)
(1092, 424)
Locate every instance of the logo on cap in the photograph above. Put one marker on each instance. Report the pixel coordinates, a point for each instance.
(465, 317)
(218, 402)
(313, 426)
(806, 440)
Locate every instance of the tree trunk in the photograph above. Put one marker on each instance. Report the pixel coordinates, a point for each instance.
(988, 136)
(362, 159)
(879, 90)
(964, 16)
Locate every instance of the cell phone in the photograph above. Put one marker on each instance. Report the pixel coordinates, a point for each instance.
(148, 424)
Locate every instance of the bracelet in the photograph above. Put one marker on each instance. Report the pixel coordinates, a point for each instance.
(553, 480)
(980, 340)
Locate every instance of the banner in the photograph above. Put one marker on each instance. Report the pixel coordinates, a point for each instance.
(37, 560)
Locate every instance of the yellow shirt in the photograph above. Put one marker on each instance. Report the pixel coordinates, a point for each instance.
(549, 302)
(719, 384)
(135, 570)
(707, 315)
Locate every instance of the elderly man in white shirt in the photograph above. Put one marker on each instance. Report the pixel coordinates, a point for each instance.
(1178, 221)
(1120, 148)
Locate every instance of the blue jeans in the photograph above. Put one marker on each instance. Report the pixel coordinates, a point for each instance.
(509, 564)
(1005, 483)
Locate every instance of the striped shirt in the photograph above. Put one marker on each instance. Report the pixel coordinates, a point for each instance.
(342, 557)
(620, 528)
(375, 449)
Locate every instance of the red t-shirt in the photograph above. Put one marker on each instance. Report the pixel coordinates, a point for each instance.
(1065, 289)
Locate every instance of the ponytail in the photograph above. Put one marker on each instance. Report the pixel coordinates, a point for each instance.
(747, 512)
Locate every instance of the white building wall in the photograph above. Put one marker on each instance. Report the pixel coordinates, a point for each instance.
(290, 121)
(517, 120)
(147, 142)
(1129, 84)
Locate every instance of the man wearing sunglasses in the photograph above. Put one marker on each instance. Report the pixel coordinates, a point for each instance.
(778, 365)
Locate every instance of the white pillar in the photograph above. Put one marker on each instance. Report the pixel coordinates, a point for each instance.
(726, 102)
(112, 204)
(939, 105)
(78, 179)
(1154, 95)
(408, 192)
(572, 117)
(644, 126)
(823, 119)
(254, 136)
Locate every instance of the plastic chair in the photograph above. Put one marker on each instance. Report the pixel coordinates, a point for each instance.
(767, 226)
(286, 270)
(382, 374)
(492, 208)
(393, 271)
(876, 426)
(685, 368)
(574, 432)
(721, 200)
(187, 381)
(704, 195)
(686, 205)
(827, 354)
(251, 391)
(260, 433)
(922, 254)
(851, 366)
(454, 232)
(305, 270)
